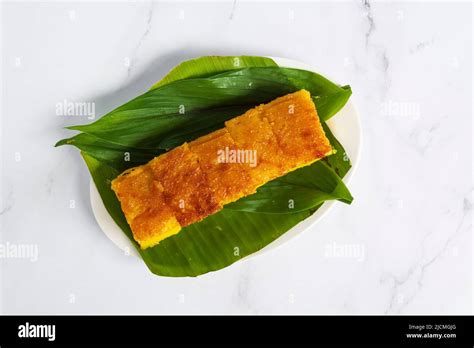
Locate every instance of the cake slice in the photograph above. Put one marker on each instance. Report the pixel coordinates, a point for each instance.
(219, 159)
(144, 206)
(185, 186)
(253, 134)
(289, 117)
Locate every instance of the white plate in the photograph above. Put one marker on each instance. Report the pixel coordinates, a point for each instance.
(346, 127)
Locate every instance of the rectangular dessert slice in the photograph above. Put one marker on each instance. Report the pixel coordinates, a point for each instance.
(185, 186)
(219, 158)
(295, 123)
(143, 204)
(253, 133)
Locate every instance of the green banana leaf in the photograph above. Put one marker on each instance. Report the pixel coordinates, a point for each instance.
(339, 161)
(211, 65)
(114, 155)
(303, 189)
(150, 119)
(113, 143)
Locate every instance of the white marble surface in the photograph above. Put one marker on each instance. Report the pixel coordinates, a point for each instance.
(410, 67)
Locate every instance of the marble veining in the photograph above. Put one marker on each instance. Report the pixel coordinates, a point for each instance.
(142, 38)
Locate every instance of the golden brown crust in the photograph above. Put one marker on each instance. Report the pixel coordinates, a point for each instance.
(133, 191)
(143, 204)
(252, 133)
(185, 186)
(156, 218)
(289, 117)
(228, 179)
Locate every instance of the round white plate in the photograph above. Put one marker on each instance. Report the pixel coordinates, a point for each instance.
(346, 127)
